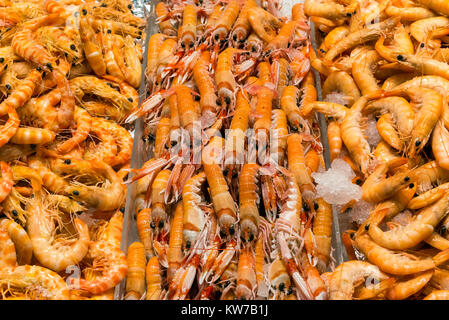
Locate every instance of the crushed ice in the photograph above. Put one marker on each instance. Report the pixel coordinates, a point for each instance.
(360, 211)
(335, 185)
(371, 133)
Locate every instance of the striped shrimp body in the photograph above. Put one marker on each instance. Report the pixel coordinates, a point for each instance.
(264, 24)
(187, 30)
(225, 21)
(106, 252)
(21, 240)
(135, 277)
(242, 26)
(246, 275)
(41, 227)
(224, 77)
(153, 279)
(249, 199)
(159, 215)
(8, 252)
(174, 252)
(165, 24)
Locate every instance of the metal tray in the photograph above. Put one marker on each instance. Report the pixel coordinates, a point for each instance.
(140, 154)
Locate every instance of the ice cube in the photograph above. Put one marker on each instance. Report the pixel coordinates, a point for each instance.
(337, 97)
(371, 133)
(360, 211)
(335, 185)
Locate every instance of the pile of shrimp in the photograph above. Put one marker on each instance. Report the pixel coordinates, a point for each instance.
(69, 71)
(385, 62)
(215, 220)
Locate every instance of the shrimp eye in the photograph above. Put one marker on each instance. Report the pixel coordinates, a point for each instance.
(227, 100)
(39, 69)
(367, 227)
(251, 237)
(109, 31)
(72, 47)
(306, 207)
(222, 234)
(174, 143)
(242, 40)
(79, 212)
(231, 230)
(130, 6)
(349, 14)
(161, 224)
(67, 161)
(122, 209)
(415, 195)
(253, 49)
(14, 212)
(130, 99)
(84, 11)
(225, 171)
(66, 54)
(351, 235)
(422, 45)
(233, 37)
(315, 206)
(8, 86)
(290, 291)
(407, 179)
(294, 129)
(191, 44)
(359, 182)
(411, 185)
(417, 143)
(76, 192)
(49, 66)
(216, 36)
(188, 244)
(281, 286)
(140, 33)
(443, 229)
(322, 50)
(197, 98)
(183, 44)
(400, 57)
(103, 5)
(218, 102)
(2, 59)
(152, 225)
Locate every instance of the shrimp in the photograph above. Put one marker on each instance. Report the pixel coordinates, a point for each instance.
(165, 25)
(362, 71)
(48, 283)
(289, 100)
(83, 125)
(50, 253)
(7, 249)
(205, 84)
(135, 276)
(322, 231)
(386, 128)
(248, 211)
(246, 275)
(279, 135)
(342, 83)
(377, 188)
(438, 295)
(187, 31)
(296, 164)
(224, 78)
(158, 207)
(223, 24)
(145, 231)
(390, 261)
(353, 137)
(263, 23)
(335, 35)
(21, 240)
(409, 14)
(334, 110)
(424, 65)
(279, 278)
(422, 30)
(222, 200)
(107, 254)
(154, 45)
(174, 254)
(328, 10)
(242, 26)
(263, 110)
(420, 228)
(6, 181)
(189, 113)
(194, 217)
(334, 139)
(348, 274)
(360, 37)
(31, 135)
(153, 279)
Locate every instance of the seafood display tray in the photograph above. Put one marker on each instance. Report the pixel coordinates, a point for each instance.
(140, 153)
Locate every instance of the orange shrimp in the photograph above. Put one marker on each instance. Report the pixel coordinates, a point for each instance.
(165, 25)
(224, 78)
(153, 279)
(249, 213)
(92, 47)
(322, 232)
(205, 84)
(225, 21)
(289, 104)
(246, 275)
(83, 125)
(281, 72)
(264, 107)
(158, 207)
(106, 250)
(145, 231)
(223, 202)
(162, 137)
(334, 139)
(135, 277)
(174, 254)
(8, 252)
(194, 218)
(279, 135)
(187, 31)
(8, 130)
(296, 164)
(313, 160)
(31, 135)
(188, 113)
(242, 27)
